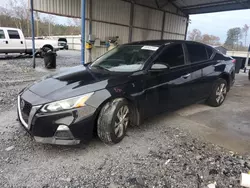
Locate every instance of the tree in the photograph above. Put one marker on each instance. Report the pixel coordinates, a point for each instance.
(210, 39)
(233, 37)
(245, 32)
(74, 25)
(194, 35)
(16, 14)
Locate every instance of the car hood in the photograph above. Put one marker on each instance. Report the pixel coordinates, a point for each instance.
(76, 81)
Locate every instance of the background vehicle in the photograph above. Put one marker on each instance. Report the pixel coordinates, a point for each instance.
(64, 43)
(12, 40)
(121, 88)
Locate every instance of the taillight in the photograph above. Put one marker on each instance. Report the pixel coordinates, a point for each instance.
(234, 61)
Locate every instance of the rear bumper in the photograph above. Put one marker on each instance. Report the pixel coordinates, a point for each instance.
(62, 128)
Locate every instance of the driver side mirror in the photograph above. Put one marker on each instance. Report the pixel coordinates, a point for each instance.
(159, 67)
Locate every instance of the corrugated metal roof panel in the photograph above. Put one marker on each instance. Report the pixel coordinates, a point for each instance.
(104, 30)
(175, 24)
(150, 3)
(147, 18)
(142, 34)
(170, 7)
(72, 8)
(206, 6)
(111, 11)
(61, 7)
(173, 36)
(183, 3)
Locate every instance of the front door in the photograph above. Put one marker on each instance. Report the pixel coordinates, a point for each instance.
(168, 89)
(3, 41)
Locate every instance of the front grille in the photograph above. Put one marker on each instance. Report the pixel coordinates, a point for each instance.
(25, 110)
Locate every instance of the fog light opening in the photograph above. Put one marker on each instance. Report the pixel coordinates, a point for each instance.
(63, 132)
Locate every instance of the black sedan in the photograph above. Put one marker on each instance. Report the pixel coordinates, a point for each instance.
(121, 88)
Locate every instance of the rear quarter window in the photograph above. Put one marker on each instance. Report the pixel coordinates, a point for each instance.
(221, 57)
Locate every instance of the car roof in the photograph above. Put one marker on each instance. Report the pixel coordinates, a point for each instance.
(162, 42)
(10, 28)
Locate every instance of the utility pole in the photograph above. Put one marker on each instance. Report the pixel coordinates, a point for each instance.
(49, 29)
(37, 24)
(247, 59)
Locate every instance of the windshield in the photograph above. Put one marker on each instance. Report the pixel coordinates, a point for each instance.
(126, 58)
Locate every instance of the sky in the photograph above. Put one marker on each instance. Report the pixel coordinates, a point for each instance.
(212, 23)
(218, 23)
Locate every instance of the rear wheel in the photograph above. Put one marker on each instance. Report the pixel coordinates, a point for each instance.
(113, 121)
(219, 93)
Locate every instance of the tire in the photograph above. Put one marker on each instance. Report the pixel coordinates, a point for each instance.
(113, 121)
(219, 93)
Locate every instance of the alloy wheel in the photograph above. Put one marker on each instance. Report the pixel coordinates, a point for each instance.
(122, 120)
(221, 92)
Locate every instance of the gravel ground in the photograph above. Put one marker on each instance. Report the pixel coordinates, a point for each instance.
(17, 73)
(158, 153)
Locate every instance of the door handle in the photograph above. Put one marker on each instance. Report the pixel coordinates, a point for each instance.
(21, 42)
(186, 76)
(6, 42)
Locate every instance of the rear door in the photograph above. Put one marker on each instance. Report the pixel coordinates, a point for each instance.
(3, 41)
(15, 42)
(168, 90)
(199, 59)
(211, 71)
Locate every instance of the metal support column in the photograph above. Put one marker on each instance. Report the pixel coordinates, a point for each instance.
(83, 31)
(247, 59)
(131, 20)
(187, 24)
(163, 25)
(90, 29)
(33, 33)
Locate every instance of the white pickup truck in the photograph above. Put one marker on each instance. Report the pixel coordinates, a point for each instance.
(12, 40)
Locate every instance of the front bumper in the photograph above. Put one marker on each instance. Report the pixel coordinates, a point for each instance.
(53, 140)
(62, 128)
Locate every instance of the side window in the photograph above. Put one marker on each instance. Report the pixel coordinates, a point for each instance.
(172, 55)
(219, 56)
(209, 52)
(2, 35)
(13, 34)
(197, 52)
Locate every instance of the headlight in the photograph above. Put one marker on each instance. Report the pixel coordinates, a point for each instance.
(66, 104)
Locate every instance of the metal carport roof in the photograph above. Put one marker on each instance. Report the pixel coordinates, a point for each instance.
(185, 7)
(199, 6)
(207, 6)
(179, 7)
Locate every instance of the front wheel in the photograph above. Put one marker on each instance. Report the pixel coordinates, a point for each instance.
(219, 93)
(113, 121)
